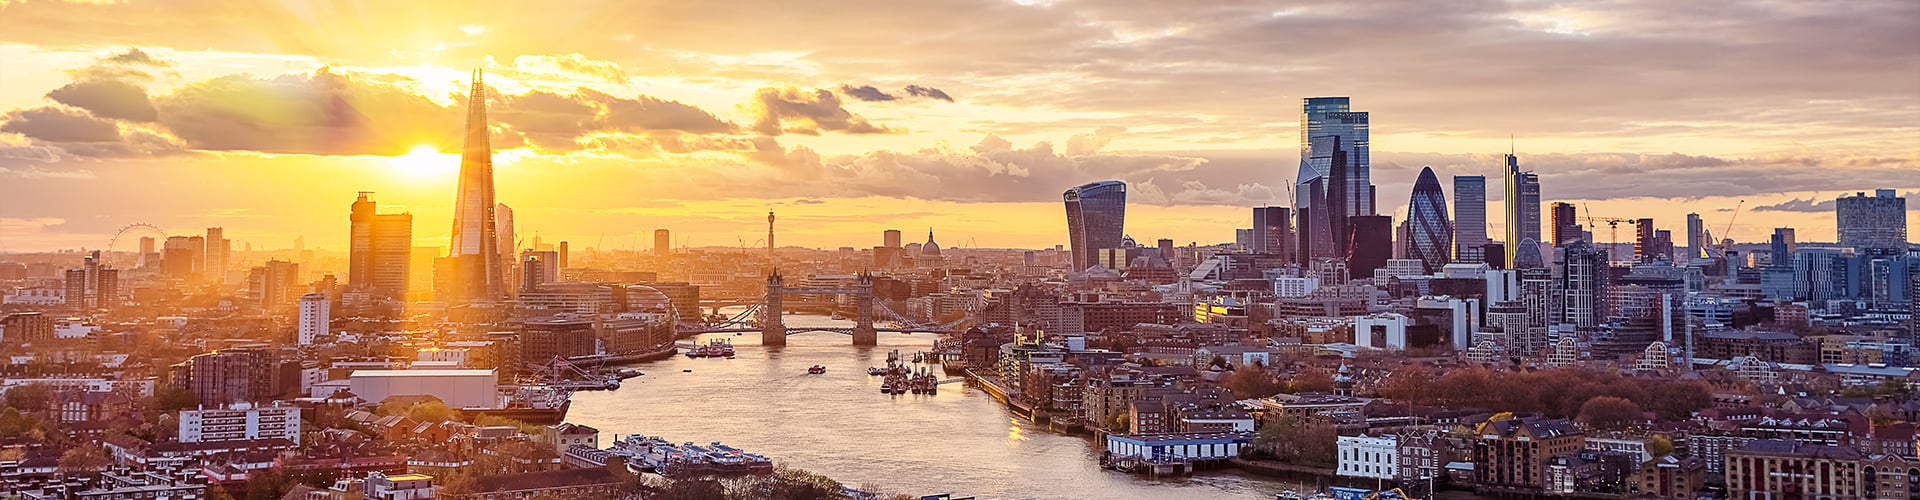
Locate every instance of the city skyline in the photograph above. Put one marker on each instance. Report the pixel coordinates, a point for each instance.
(605, 132)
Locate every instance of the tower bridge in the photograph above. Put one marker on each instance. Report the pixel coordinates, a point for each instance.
(773, 329)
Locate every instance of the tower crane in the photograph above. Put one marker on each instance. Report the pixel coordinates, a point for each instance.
(1613, 223)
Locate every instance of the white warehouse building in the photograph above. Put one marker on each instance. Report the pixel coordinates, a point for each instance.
(457, 388)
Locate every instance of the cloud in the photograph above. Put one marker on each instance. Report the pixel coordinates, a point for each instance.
(791, 110)
(929, 92)
(572, 65)
(1086, 144)
(322, 112)
(114, 99)
(866, 93)
(57, 124)
(132, 65)
(560, 122)
(1814, 205)
(135, 56)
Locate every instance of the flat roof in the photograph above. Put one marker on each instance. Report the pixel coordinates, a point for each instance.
(422, 373)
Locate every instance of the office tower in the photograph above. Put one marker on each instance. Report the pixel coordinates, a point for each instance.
(560, 256)
(533, 272)
(147, 256)
(1663, 244)
(1339, 171)
(1566, 223)
(1273, 232)
(1429, 233)
(197, 249)
(1913, 306)
(1696, 237)
(176, 257)
(1782, 246)
(1874, 226)
(662, 243)
(216, 259)
(380, 249)
(420, 277)
(1096, 219)
(1469, 217)
(1580, 284)
(1643, 244)
(509, 245)
(476, 239)
(1243, 239)
(274, 285)
(890, 238)
(1315, 239)
(1523, 206)
(1165, 248)
(315, 316)
(1333, 117)
(1372, 243)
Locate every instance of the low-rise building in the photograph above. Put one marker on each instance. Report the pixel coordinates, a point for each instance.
(1368, 456)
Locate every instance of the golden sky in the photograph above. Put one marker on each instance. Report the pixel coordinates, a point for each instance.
(613, 118)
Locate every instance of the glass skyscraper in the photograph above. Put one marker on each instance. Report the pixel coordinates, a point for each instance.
(1429, 233)
(1874, 226)
(1523, 206)
(1096, 220)
(475, 261)
(1469, 217)
(1321, 119)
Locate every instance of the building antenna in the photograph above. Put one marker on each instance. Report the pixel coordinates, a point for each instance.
(1511, 148)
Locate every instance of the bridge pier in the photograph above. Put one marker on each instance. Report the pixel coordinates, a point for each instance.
(773, 329)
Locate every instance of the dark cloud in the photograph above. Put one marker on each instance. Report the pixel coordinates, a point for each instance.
(56, 124)
(647, 113)
(866, 93)
(107, 99)
(1816, 205)
(317, 113)
(929, 92)
(791, 110)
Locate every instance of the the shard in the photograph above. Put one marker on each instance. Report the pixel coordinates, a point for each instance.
(476, 241)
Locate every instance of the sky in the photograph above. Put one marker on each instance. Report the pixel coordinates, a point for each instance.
(968, 118)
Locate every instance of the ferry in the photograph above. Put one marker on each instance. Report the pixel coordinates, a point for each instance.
(876, 371)
(816, 370)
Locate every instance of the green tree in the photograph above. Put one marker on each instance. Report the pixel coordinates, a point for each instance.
(1659, 445)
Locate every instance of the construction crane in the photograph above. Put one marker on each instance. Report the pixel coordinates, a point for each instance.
(1613, 223)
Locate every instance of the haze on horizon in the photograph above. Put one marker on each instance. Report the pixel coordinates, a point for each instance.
(613, 118)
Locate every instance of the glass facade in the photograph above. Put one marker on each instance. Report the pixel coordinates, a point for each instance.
(1873, 225)
(1523, 206)
(1469, 217)
(1096, 219)
(1429, 233)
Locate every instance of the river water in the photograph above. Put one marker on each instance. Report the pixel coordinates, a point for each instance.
(961, 441)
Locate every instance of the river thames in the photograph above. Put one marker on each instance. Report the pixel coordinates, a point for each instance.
(961, 441)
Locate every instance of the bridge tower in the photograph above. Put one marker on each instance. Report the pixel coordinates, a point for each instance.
(773, 330)
(863, 332)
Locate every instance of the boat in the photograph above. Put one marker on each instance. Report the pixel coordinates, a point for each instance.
(689, 370)
(876, 371)
(886, 388)
(533, 404)
(837, 315)
(627, 373)
(816, 370)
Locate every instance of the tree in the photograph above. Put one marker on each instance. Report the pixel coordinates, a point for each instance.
(1250, 382)
(1659, 445)
(1298, 441)
(692, 489)
(430, 411)
(1608, 412)
(1310, 380)
(84, 458)
(30, 398)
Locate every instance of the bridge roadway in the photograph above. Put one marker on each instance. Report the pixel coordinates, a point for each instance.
(801, 329)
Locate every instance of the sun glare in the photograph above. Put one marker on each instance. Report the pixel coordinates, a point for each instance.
(425, 161)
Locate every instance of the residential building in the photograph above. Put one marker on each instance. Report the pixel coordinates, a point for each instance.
(240, 423)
